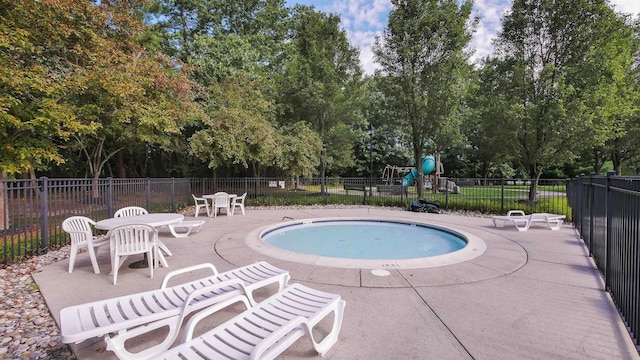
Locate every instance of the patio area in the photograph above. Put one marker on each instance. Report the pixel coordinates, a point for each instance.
(531, 295)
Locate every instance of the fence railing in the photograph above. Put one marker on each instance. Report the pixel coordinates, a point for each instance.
(31, 211)
(607, 215)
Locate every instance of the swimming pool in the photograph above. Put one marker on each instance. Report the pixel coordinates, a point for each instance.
(364, 239)
(366, 243)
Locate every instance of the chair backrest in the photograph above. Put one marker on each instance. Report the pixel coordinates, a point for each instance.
(241, 198)
(130, 211)
(221, 199)
(79, 228)
(132, 239)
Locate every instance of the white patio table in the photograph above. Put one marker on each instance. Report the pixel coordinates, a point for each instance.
(155, 220)
(231, 197)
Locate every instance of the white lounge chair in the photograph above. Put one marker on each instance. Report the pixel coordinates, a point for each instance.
(523, 222)
(266, 330)
(129, 316)
(186, 227)
(80, 231)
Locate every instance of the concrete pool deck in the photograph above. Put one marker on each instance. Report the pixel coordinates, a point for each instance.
(530, 295)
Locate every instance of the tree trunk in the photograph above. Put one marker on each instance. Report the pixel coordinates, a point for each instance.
(533, 188)
(598, 160)
(121, 167)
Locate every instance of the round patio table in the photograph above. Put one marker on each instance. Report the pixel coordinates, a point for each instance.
(155, 220)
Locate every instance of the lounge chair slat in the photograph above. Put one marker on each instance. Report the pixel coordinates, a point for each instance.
(114, 312)
(214, 348)
(86, 318)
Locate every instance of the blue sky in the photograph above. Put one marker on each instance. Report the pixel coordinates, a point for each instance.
(364, 19)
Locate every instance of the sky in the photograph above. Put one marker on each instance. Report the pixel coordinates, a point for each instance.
(365, 19)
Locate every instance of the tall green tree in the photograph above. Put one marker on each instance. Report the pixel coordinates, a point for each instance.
(624, 147)
(239, 128)
(563, 64)
(235, 50)
(422, 55)
(42, 49)
(76, 75)
(484, 126)
(321, 85)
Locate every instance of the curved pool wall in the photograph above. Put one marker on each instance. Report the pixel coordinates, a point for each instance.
(475, 247)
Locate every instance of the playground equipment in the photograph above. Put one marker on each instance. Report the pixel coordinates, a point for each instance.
(428, 165)
(392, 174)
(431, 168)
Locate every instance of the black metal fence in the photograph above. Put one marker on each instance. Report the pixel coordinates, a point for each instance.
(31, 211)
(607, 215)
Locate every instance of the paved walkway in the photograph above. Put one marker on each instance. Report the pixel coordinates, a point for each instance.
(530, 295)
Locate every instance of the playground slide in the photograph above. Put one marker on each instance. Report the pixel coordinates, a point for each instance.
(428, 165)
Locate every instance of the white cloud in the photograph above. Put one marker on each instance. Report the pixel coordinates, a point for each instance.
(365, 19)
(627, 6)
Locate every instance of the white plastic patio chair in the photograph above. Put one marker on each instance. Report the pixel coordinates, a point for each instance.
(131, 240)
(130, 211)
(238, 202)
(81, 234)
(135, 211)
(220, 201)
(267, 329)
(201, 203)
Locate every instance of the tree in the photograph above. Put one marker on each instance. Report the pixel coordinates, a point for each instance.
(563, 63)
(240, 127)
(36, 113)
(78, 76)
(485, 124)
(321, 85)
(300, 150)
(235, 50)
(423, 58)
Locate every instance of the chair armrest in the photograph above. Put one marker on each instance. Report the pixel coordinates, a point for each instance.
(515, 212)
(168, 277)
(264, 345)
(195, 319)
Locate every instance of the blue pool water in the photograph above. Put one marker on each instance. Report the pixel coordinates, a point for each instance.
(364, 239)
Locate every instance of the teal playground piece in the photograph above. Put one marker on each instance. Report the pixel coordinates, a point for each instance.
(428, 165)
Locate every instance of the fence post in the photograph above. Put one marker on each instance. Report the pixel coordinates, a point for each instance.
(109, 197)
(502, 195)
(608, 203)
(44, 214)
(591, 201)
(173, 194)
(148, 191)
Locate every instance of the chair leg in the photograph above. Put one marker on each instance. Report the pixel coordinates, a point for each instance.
(164, 248)
(72, 257)
(116, 265)
(93, 254)
(151, 259)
